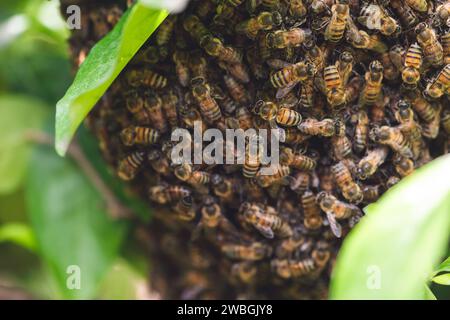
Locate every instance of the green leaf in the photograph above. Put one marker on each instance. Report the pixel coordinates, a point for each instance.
(443, 267)
(392, 251)
(443, 279)
(70, 223)
(15, 120)
(104, 63)
(90, 147)
(18, 233)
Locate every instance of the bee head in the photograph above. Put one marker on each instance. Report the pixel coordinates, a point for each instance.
(277, 18)
(420, 28)
(346, 57)
(286, 155)
(127, 136)
(376, 66)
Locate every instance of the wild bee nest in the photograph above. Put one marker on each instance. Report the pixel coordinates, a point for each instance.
(360, 89)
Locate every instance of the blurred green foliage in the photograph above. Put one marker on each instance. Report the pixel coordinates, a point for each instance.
(51, 216)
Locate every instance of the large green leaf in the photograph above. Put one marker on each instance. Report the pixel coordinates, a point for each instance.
(402, 238)
(443, 267)
(15, 120)
(104, 63)
(70, 223)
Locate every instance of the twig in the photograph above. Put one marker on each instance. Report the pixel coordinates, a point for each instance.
(114, 206)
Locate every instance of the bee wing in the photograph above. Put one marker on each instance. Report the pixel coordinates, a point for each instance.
(282, 92)
(277, 63)
(334, 225)
(265, 231)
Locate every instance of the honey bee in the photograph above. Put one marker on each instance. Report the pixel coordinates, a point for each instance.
(297, 8)
(294, 37)
(170, 104)
(147, 78)
(430, 129)
(135, 104)
(264, 21)
(334, 86)
(181, 67)
(186, 173)
(406, 15)
(195, 27)
(153, 105)
(421, 106)
(289, 245)
(339, 209)
(371, 193)
(306, 99)
(288, 117)
(253, 252)
(139, 135)
(342, 147)
(390, 70)
(208, 105)
(352, 90)
(163, 194)
(300, 183)
(392, 137)
(252, 160)
(199, 67)
(362, 40)
(368, 165)
(361, 131)
(403, 166)
(290, 75)
(439, 86)
(165, 31)
(345, 66)
(315, 54)
(236, 90)
(413, 62)
(184, 209)
(244, 271)
(159, 162)
(326, 179)
(336, 28)
(311, 210)
(443, 12)
(244, 118)
(409, 127)
(223, 188)
(297, 161)
(432, 49)
(212, 218)
(349, 188)
(215, 47)
(266, 223)
(130, 165)
(419, 5)
(374, 16)
(396, 54)
(371, 92)
(445, 41)
(279, 176)
(294, 269)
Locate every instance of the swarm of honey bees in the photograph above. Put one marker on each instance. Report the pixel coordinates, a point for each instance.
(361, 89)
